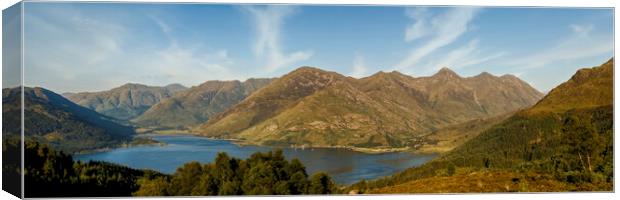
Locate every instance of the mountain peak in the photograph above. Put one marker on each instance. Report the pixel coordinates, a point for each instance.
(132, 85)
(174, 85)
(509, 76)
(311, 73)
(485, 75)
(382, 74)
(307, 69)
(587, 88)
(446, 72)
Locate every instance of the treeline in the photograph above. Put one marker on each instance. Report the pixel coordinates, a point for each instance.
(51, 173)
(262, 174)
(575, 147)
(11, 164)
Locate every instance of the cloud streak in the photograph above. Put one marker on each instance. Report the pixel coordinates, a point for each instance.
(582, 43)
(268, 22)
(464, 56)
(70, 51)
(441, 30)
(418, 28)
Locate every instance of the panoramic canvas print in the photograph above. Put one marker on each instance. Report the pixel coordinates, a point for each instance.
(140, 99)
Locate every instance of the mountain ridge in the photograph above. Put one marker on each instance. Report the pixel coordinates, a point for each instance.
(199, 103)
(126, 101)
(390, 108)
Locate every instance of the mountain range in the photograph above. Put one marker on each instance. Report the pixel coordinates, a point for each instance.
(498, 133)
(198, 104)
(563, 143)
(52, 119)
(313, 107)
(125, 102)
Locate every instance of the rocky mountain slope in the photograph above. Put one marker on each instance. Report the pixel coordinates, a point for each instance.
(197, 104)
(54, 120)
(125, 102)
(318, 108)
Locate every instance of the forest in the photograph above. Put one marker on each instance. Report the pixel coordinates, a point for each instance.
(55, 174)
(574, 148)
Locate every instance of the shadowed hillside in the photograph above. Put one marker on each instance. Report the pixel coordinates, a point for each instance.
(54, 120)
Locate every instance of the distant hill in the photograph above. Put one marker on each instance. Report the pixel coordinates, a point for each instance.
(54, 120)
(198, 104)
(566, 137)
(313, 107)
(125, 102)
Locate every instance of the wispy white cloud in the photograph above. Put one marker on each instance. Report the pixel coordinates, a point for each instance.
(164, 27)
(182, 64)
(359, 69)
(268, 22)
(176, 64)
(71, 51)
(441, 29)
(65, 41)
(581, 43)
(464, 56)
(419, 26)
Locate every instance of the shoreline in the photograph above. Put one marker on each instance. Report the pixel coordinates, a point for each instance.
(241, 143)
(128, 144)
(379, 150)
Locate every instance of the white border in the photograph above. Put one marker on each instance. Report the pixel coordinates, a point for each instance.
(563, 3)
(519, 3)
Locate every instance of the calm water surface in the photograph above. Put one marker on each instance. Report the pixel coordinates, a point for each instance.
(345, 166)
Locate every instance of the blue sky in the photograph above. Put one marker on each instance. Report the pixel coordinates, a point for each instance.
(72, 47)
